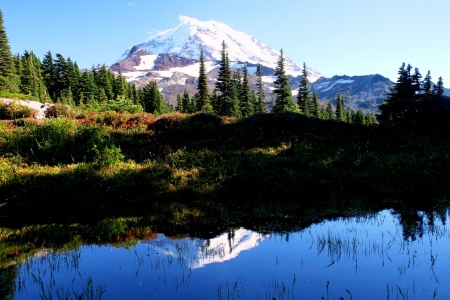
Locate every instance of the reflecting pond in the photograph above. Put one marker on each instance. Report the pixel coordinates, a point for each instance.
(385, 255)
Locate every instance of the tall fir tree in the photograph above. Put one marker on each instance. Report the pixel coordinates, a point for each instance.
(74, 81)
(186, 103)
(89, 89)
(283, 92)
(62, 84)
(427, 87)
(438, 89)
(329, 112)
(260, 95)
(153, 101)
(31, 81)
(9, 79)
(340, 110)
(179, 106)
(203, 97)
(315, 106)
(227, 102)
(304, 94)
(245, 102)
(400, 106)
(49, 75)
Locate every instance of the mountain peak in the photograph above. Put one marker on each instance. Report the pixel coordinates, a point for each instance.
(186, 20)
(191, 35)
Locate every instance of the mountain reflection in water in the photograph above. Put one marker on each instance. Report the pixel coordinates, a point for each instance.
(365, 257)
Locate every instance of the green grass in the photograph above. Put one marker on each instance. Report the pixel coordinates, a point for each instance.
(182, 166)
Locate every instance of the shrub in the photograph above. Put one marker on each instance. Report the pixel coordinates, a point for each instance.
(123, 105)
(14, 110)
(59, 110)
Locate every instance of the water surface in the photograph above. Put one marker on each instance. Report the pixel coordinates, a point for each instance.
(379, 256)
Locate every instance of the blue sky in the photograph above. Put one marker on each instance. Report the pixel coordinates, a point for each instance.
(346, 37)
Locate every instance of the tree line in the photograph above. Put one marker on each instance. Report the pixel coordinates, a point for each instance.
(60, 80)
(232, 95)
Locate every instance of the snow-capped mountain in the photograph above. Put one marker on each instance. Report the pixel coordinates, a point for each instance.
(191, 35)
(171, 58)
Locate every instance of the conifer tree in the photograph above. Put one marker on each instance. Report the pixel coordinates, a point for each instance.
(186, 103)
(304, 94)
(89, 89)
(18, 66)
(202, 98)
(359, 117)
(401, 105)
(227, 102)
(104, 79)
(261, 97)
(340, 113)
(329, 112)
(315, 105)
(74, 81)
(179, 106)
(62, 83)
(153, 101)
(348, 116)
(254, 101)
(49, 74)
(427, 88)
(31, 81)
(438, 89)
(9, 80)
(246, 99)
(283, 93)
(120, 86)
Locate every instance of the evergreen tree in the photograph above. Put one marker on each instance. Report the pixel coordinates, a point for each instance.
(120, 86)
(315, 105)
(215, 102)
(283, 93)
(202, 98)
(348, 116)
(9, 80)
(260, 96)
(329, 112)
(416, 82)
(359, 118)
(62, 83)
(31, 81)
(179, 106)
(186, 103)
(340, 113)
(89, 89)
(427, 88)
(304, 94)
(438, 89)
(370, 119)
(227, 101)
(401, 105)
(74, 81)
(153, 101)
(104, 79)
(255, 102)
(246, 103)
(49, 75)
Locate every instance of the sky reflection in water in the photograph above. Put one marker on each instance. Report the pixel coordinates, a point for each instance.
(362, 257)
